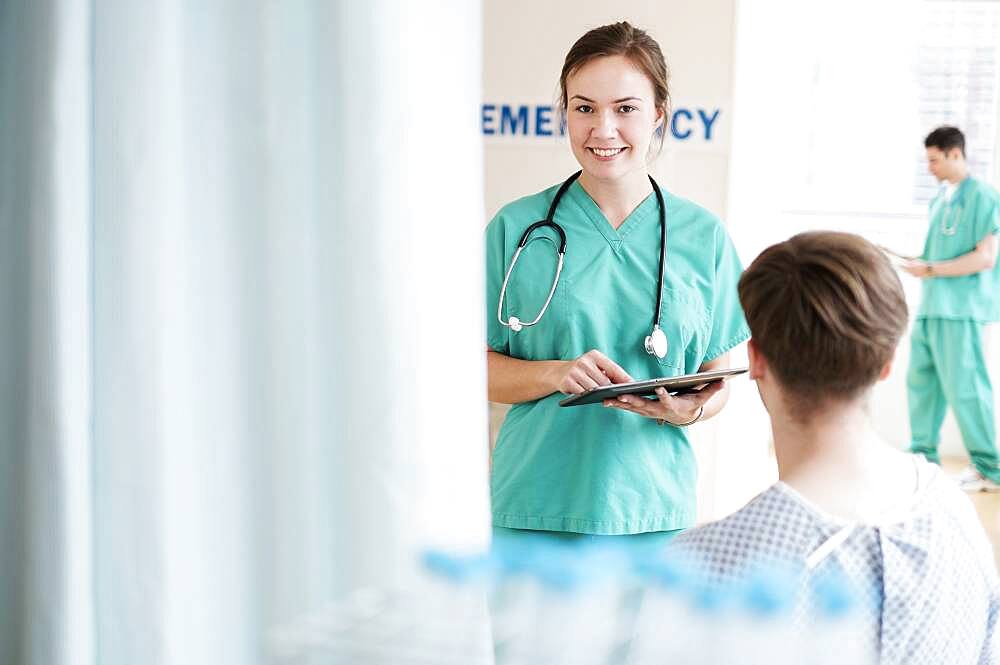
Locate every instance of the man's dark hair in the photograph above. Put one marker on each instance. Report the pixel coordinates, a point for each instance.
(945, 138)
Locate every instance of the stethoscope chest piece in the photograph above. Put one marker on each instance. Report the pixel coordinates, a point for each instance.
(948, 224)
(656, 343)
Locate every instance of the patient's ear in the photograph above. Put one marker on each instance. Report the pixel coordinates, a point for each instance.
(885, 371)
(758, 366)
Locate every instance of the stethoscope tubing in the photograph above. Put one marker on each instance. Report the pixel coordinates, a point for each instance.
(516, 324)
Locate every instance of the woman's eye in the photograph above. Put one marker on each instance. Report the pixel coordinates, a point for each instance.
(626, 108)
(584, 108)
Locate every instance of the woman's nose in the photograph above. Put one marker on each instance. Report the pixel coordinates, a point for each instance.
(605, 125)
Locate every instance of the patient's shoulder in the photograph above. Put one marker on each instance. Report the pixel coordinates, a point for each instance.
(772, 527)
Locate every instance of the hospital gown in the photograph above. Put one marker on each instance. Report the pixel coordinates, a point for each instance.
(927, 583)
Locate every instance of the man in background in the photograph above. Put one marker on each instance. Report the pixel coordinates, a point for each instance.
(960, 282)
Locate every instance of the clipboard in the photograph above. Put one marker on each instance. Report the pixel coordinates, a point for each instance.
(896, 257)
(675, 385)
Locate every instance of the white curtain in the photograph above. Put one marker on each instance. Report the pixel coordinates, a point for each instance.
(241, 361)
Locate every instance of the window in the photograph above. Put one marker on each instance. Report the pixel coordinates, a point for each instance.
(959, 82)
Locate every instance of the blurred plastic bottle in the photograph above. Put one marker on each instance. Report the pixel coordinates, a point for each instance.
(843, 634)
(662, 630)
(579, 605)
(763, 629)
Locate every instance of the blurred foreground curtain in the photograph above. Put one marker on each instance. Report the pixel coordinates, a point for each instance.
(241, 358)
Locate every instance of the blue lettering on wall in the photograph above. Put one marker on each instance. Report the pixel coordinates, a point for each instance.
(708, 122)
(521, 120)
(545, 120)
(509, 123)
(542, 120)
(680, 134)
(488, 119)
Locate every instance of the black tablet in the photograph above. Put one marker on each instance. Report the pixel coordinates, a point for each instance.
(675, 385)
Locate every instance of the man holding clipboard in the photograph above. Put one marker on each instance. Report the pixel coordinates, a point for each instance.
(960, 282)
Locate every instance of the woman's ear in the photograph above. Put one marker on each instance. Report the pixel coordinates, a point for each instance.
(661, 119)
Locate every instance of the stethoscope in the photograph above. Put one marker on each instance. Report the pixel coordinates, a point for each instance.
(952, 210)
(656, 341)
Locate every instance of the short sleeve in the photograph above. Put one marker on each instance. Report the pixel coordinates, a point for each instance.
(728, 325)
(497, 335)
(987, 214)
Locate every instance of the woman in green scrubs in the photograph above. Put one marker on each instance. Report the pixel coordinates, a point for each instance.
(625, 467)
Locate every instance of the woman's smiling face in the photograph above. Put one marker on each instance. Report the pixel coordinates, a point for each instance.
(611, 116)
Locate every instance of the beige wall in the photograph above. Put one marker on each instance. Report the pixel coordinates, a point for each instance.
(524, 46)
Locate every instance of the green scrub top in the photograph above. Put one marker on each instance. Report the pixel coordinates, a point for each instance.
(592, 469)
(956, 227)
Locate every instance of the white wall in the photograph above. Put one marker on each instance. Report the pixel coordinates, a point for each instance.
(827, 137)
(524, 47)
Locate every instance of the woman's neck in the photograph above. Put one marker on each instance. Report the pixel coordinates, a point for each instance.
(617, 198)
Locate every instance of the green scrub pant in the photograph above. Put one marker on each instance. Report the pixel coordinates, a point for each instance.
(947, 368)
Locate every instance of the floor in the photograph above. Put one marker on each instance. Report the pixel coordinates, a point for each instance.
(987, 505)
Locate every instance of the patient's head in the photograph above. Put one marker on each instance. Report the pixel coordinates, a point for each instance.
(826, 311)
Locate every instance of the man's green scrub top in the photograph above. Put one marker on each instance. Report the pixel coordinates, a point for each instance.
(956, 227)
(593, 469)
